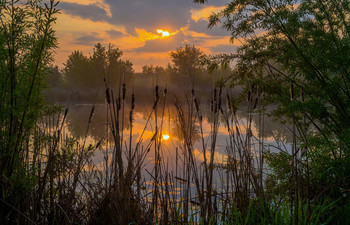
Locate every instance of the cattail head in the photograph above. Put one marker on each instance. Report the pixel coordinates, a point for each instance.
(249, 96)
(130, 117)
(192, 91)
(108, 96)
(133, 102)
(65, 113)
(156, 93)
(124, 91)
(211, 106)
(98, 144)
(196, 104)
(165, 92)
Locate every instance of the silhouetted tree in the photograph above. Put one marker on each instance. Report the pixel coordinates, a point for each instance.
(88, 73)
(187, 61)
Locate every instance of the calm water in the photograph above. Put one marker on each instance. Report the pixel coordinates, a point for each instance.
(172, 141)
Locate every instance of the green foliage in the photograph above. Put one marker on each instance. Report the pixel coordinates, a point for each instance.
(87, 73)
(26, 47)
(187, 61)
(296, 53)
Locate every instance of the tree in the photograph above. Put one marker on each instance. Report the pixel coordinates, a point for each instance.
(187, 61)
(87, 73)
(77, 70)
(297, 51)
(27, 40)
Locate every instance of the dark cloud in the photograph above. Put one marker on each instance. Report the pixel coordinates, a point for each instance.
(162, 45)
(153, 14)
(114, 33)
(89, 40)
(92, 11)
(201, 26)
(146, 14)
(224, 48)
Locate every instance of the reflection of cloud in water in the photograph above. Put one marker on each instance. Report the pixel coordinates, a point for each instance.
(218, 157)
(79, 117)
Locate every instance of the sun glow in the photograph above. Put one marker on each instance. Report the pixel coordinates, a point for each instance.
(166, 137)
(164, 33)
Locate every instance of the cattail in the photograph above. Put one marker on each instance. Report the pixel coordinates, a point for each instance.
(196, 103)
(91, 114)
(211, 106)
(228, 102)
(256, 103)
(130, 117)
(157, 92)
(118, 104)
(165, 92)
(155, 104)
(302, 94)
(291, 90)
(133, 101)
(124, 91)
(249, 95)
(98, 145)
(65, 113)
(215, 107)
(108, 96)
(192, 91)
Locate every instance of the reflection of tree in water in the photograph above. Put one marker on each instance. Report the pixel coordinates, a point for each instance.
(270, 127)
(78, 116)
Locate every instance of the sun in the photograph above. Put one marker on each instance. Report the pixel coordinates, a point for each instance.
(164, 33)
(166, 137)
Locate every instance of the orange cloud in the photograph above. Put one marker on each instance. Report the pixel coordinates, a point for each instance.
(204, 13)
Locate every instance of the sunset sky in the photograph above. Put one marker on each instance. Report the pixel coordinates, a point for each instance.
(145, 30)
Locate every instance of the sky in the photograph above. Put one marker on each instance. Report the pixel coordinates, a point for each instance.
(145, 30)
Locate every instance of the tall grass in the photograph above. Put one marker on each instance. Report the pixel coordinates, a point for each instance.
(67, 186)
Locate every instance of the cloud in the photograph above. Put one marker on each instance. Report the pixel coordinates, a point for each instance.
(92, 11)
(114, 33)
(162, 45)
(201, 26)
(224, 48)
(89, 40)
(85, 22)
(154, 14)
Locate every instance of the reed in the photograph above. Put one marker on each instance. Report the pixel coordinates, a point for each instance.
(69, 187)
